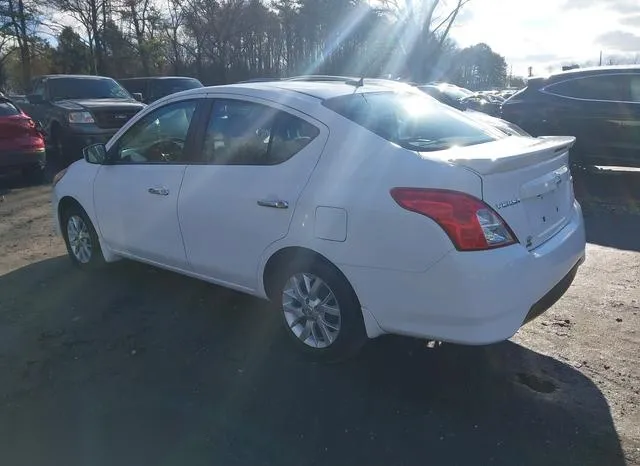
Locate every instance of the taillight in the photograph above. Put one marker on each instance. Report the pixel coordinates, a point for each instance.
(470, 223)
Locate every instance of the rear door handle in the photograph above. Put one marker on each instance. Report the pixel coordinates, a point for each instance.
(158, 191)
(276, 204)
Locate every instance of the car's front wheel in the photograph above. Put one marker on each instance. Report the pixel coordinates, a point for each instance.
(81, 238)
(321, 311)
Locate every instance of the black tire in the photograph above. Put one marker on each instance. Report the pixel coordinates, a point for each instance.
(351, 335)
(95, 259)
(59, 149)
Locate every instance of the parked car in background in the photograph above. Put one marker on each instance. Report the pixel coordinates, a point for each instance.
(461, 98)
(154, 88)
(599, 106)
(450, 96)
(21, 143)
(357, 207)
(77, 110)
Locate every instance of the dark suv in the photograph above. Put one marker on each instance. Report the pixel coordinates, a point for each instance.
(157, 87)
(599, 106)
(77, 111)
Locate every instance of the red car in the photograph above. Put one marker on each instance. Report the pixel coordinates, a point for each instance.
(21, 142)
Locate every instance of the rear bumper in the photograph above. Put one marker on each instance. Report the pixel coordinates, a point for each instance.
(553, 295)
(22, 159)
(474, 297)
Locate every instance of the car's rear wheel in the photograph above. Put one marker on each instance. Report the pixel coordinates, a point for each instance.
(81, 238)
(321, 311)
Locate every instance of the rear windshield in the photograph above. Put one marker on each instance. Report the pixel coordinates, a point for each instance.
(412, 121)
(8, 109)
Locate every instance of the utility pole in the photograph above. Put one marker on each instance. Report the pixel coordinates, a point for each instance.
(600, 58)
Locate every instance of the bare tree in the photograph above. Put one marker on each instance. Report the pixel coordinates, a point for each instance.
(19, 23)
(141, 15)
(91, 15)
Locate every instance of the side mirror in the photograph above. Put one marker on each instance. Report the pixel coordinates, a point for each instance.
(35, 98)
(137, 96)
(96, 154)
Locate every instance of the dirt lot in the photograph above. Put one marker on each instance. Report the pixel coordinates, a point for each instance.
(136, 366)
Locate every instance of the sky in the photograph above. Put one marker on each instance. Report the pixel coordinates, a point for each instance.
(547, 34)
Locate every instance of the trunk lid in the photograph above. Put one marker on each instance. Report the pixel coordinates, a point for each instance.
(525, 180)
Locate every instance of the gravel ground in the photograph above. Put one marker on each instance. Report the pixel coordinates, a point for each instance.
(137, 366)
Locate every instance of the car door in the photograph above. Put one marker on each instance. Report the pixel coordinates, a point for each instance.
(256, 159)
(597, 110)
(136, 194)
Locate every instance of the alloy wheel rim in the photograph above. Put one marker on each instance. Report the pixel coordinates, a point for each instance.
(79, 239)
(311, 310)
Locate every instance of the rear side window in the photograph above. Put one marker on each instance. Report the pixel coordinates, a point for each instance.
(412, 121)
(247, 133)
(613, 88)
(8, 109)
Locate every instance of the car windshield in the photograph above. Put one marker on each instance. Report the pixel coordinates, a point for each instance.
(412, 121)
(171, 86)
(86, 88)
(8, 109)
(457, 93)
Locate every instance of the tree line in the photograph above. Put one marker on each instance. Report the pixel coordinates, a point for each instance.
(222, 41)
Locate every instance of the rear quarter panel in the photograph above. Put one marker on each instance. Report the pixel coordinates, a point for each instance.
(355, 173)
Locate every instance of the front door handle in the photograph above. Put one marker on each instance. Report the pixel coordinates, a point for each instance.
(276, 204)
(158, 191)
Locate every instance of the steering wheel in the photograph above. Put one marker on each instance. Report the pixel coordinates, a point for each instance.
(167, 150)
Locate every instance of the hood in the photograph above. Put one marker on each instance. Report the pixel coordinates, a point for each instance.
(91, 104)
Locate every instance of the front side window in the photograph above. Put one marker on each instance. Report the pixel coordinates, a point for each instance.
(412, 121)
(247, 133)
(38, 89)
(613, 88)
(159, 137)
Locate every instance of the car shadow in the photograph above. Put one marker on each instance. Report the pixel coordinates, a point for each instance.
(133, 365)
(12, 180)
(611, 205)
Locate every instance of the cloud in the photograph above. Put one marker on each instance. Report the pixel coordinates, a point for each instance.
(621, 6)
(541, 57)
(620, 40)
(633, 20)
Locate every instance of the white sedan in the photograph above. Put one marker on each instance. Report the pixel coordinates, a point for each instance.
(357, 208)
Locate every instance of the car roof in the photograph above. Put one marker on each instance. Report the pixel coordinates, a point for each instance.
(74, 76)
(584, 72)
(309, 89)
(154, 78)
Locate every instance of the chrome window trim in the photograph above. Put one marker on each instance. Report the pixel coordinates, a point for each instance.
(546, 91)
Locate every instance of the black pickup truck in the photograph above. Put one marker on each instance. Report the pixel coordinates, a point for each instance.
(77, 111)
